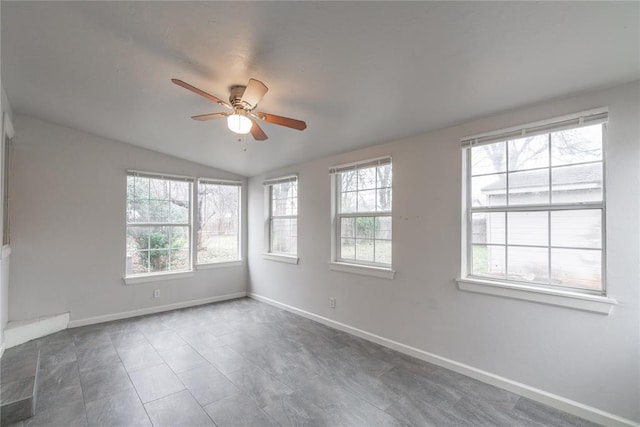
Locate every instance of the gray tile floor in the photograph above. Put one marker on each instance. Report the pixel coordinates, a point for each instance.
(245, 363)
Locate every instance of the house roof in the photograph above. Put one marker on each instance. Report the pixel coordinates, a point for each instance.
(359, 73)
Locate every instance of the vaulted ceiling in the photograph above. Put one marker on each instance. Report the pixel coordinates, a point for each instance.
(359, 73)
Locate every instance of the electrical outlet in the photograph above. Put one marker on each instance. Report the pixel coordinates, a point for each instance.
(156, 293)
(332, 303)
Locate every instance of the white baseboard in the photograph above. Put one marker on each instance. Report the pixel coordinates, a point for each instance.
(21, 331)
(151, 310)
(1, 350)
(559, 402)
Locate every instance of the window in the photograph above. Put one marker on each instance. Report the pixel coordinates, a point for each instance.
(158, 224)
(218, 221)
(7, 135)
(362, 218)
(283, 216)
(535, 210)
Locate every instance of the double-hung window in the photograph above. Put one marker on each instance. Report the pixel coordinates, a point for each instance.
(158, 224)
(218, 221)
(282, 227)
(362, 213)
(535, 204)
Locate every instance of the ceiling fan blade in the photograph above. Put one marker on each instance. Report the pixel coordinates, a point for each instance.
(201, 92)
(254, 92)
(282, 121)
(257, 132)
(204, 117)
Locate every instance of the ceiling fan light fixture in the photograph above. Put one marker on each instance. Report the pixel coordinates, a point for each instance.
(239, 123)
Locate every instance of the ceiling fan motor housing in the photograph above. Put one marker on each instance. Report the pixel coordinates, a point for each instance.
(235, 98)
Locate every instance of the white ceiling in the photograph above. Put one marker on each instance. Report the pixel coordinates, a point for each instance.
(359, 73)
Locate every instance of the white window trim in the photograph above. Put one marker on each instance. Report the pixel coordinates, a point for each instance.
(164, 275)
(364, 270)
(222, 264)
(347, 266)
(206, 265)
(595, 303)
(584, 302)
(155, 277)
(267, 254)
(289, 259)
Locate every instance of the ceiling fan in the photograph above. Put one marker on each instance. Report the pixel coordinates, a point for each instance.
(242, 102)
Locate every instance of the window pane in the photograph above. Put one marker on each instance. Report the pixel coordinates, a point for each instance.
(580, 183)
(577, 228)
(488, 159)
(576, 145)
(158, 237)
(163, 201)
(385, 176)
(576, 268)
(383, 227)
(348, 249)
(179, 260)
(383, 251)
(529, 153)
(528, 228)
(139, 211)
(137, 262)
(137, 238)
(367, 178)
(349, 181)
(528, 264)
(158, 189)
(158, 260)
(367, 201)
(384, 200)
(366, 238)
(137, 187)
(488, 227)
(347, 227)
(283, 236)
(284, 199)
(364, 250)
(529, 188)
(364, 227)
(159, 210)
(489, 190)
(218, 223)
(488, 261)
(179, 190)
(179, 212)
(179, 237)
(348, 202)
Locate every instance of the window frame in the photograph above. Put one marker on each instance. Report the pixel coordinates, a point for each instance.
(215, 181)
(337, 262)
(171, 274)
(268, 252)
(588, 300)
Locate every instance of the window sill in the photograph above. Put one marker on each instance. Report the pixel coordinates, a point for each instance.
(365, 270)
(589, 303)
(219, 265)
(281, 258)
(134, 280)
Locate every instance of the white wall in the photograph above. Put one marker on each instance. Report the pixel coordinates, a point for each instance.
(589, 358)
(67, 210)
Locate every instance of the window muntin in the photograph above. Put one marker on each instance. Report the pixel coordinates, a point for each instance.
(158, 224)
(283, 216)
(218, 221)
(363, 213)
(535, 208)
